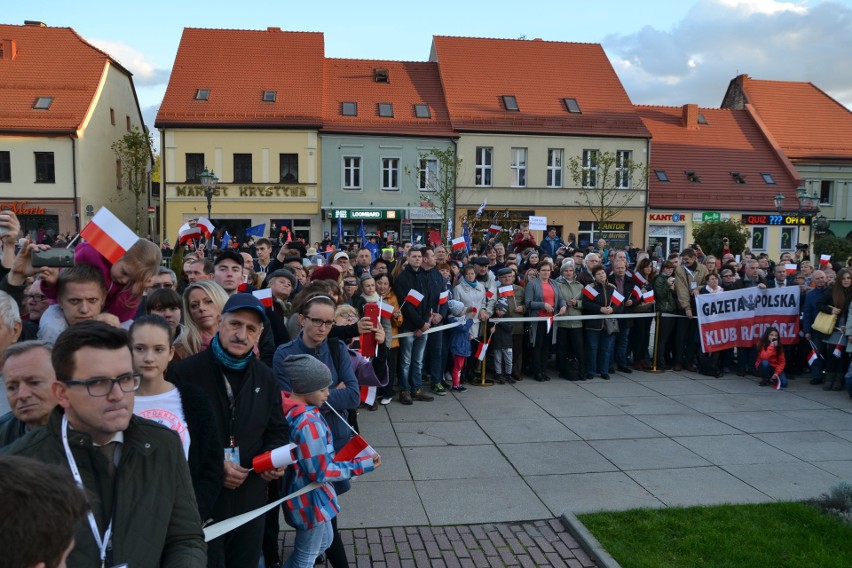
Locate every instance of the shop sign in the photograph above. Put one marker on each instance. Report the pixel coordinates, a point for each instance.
(709, 217)
(244, 191)
(20, 208)
(673, 217)
(365, 214)
(425, 213)
(613, 226)
(784, 220)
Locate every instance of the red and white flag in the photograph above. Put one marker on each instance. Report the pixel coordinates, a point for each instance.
(279, 457)
(617, 298)
(481, 350)
(444, 297)
(637, 293)
(791, 268)
(648, 296)
(357, 447)
(489, 293)
(641, 280)
(590, 292)
(189, 230)
(414, 298)
(385, 309)
(778, 384)
(205, 226)
(368, 395)
(494, 229)
(838, 351)
(108, 235)
(550, 323)
(265, 297)
(812, 357)
(459, 243)
(824, 259)
(506, 291)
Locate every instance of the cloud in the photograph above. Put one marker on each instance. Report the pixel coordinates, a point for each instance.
(144, 73)
(718, 39)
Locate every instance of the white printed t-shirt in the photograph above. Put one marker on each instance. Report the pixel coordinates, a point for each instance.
(165, 409)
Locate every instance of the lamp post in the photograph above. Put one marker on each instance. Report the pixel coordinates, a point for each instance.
(209, 181)
(805, 204)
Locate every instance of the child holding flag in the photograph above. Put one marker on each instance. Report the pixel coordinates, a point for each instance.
(311, 513)
(459, 340)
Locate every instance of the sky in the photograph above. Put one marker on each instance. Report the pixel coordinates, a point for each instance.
(669, 52)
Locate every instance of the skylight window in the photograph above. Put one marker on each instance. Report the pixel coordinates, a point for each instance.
(202, 94)
(661, 175)
(692, 176)
(386, 110)
(349, 109)
(701, 119)
(738, 177)
(767, 177)
(511, 103)
(270, 96)
(422, 111)
(381, 75)
(43, 103)
(572, 106)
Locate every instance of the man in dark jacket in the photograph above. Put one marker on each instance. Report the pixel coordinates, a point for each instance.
(29, 379)
(624, 285)
(144, 505)
(435, 357)
(412, 290)
(247, 405)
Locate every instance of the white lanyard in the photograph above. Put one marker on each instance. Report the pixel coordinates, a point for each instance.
(102, 544)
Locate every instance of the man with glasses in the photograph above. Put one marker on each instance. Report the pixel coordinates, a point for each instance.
(143, 510)
(36, 303)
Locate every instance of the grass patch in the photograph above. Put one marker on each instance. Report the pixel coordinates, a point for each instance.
(729, 536)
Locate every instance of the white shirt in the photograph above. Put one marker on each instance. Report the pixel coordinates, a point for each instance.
(165, 409)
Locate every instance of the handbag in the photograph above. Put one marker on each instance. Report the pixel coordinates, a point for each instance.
(610, 326)
(825, 323)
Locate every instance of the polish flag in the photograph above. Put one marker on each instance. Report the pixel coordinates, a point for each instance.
(481, 351)
(506, 291)
(368, 395)
(489, 293)
(838, 351)
(778, 384)
(279, 457)
(205, 226)
(495, 229)
(265, 297)
(108, 235)
(637, 292)
(812, 357)
(641, 280)
(590, 292)
(549, 324)
(385, 309)
(617, 298)
(444, 297)
(459, 243)
(628, 273)
(187, 231)
(824, 259)
(414, 298)
(357, 447)
(648, 296)
(791, 268)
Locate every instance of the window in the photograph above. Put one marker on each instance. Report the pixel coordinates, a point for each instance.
(738, 177)
(129, 125)
(572, 106)
(118, 177)
(390, 173)
(623, 163)
(554, 167)
(758, 238)
(5, 166)
(701, 119)
(428, 174)
(692, 176)
(45, 172)
(590, 168)
(349, 109)
(789, 238)
(43, 103)
(386, 110)
(519, 167)
(289, 167)
(483, 166)
(768, 178)
(351, 172)
(194, 167)
(510, 103)
(662, 175)
(202, 94)
(826, 188)
(242, 168)
(422, 111)
(270, 96)
(112, 116)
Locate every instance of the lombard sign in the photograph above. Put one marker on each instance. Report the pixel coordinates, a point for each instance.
(672, 217)
(365, 214)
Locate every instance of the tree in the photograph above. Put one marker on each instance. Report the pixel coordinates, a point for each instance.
(133, 151)
(709, 236)
(839, 248)
(437, 171)
(608, 181)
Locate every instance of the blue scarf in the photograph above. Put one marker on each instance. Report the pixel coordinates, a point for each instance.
(228, 360)
(468, 282)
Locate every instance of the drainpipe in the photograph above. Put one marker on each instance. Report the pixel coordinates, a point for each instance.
(647, 191)
(456, 183)
(163, 178)
(74, 182)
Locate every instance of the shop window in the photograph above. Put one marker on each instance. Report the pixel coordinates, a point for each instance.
(789, 238)
(758, 238)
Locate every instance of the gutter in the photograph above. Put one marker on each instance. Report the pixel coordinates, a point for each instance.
(74, 182)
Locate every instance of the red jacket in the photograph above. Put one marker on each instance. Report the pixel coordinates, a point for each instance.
(774, 355)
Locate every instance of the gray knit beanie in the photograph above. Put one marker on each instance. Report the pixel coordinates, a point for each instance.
(307, 374)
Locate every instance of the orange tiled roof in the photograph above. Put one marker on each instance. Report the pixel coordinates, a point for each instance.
(48, 62)
(807, 123)
(409, 83)
(477, 72)
(237, 66)
(730, 142)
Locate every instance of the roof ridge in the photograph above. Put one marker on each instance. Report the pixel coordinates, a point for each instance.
(379, 60)
(534, 40)
(277, 30)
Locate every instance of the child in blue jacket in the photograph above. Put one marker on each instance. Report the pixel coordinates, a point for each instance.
(311, 513)
(459, 341)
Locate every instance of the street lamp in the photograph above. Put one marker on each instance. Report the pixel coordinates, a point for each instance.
(209, 181)
(805, 204)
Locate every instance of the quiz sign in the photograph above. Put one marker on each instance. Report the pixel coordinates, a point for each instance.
(738, 318)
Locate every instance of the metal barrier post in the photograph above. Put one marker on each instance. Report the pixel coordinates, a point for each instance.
(483, 382)
(657, 320)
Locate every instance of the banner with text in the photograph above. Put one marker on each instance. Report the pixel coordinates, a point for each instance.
(738, 318)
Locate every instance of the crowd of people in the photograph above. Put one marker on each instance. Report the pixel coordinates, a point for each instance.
(140, 375)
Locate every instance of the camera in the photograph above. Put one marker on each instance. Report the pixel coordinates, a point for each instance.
(55, 257)
(801, 246)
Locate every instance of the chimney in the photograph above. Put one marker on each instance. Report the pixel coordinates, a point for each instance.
(690, 117)
(35, 23)
(273, 29)
(8, 49)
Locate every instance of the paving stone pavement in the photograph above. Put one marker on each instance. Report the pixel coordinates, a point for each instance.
(531, 543)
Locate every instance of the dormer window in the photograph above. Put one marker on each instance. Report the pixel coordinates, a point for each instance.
(692, 176)
(381, 76)
(701, 119)
(510, 103)
(386, 110)
(738, 177)
(422, 111)
(202, 94)
(269, 96)
(349, 109)
(43, 103)
(662, 175)
(572, 106)
(767, 177)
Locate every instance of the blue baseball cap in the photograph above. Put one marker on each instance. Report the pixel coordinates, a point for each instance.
(245, 302)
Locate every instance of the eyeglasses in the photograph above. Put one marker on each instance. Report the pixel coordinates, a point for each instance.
(320, 322)
(35, 297)
(159, 285)
(102, 386)
(350, 283)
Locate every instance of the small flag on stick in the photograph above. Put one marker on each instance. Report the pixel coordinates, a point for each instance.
(368, 395)
(108, 235)
(356, 447)
(279, 457)
(265, 297)
(617, 298)
(414, 297)
(590, 292)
